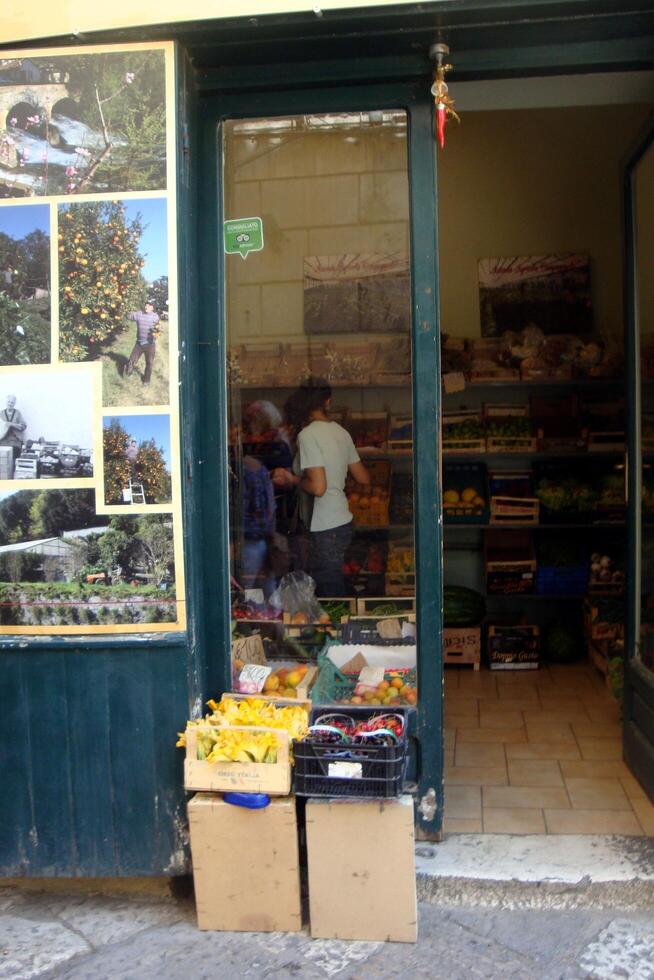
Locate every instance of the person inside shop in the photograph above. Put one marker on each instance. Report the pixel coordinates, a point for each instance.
(131, 454)
(264, 436)
(12, 424)
(146, 321)
(325, 457)
(258, 521)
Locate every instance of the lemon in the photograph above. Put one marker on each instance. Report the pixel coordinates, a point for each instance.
(468, 495)
(451, 497)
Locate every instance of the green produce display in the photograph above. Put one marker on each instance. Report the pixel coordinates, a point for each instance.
(509, 427)
(457, 434)
(566, 495)
(462, 607)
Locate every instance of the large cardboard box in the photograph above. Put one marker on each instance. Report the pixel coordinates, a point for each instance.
(362, 880)
(246, 865)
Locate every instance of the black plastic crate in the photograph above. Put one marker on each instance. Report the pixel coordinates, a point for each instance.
(374, 770)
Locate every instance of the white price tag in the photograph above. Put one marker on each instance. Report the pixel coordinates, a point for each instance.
(345, 770)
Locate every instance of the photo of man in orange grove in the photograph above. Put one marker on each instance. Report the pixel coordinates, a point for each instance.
(113, 295)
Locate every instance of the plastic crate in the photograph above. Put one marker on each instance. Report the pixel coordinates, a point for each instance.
(561, 579)
(372, 771)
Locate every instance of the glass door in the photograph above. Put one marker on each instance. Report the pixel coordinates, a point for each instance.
(639, 284)
(320, 398)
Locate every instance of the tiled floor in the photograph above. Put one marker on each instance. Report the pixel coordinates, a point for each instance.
(537, 752)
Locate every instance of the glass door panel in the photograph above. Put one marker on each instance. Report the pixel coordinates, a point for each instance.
(644, 210)
(318, 301)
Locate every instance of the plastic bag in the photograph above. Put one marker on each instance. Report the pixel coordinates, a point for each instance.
(296, 595)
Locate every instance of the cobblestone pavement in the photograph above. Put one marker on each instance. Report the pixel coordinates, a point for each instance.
(137, 938)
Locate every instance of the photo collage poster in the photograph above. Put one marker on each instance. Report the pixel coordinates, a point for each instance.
(90, 488)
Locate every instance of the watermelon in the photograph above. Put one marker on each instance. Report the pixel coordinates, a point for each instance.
(462, 607)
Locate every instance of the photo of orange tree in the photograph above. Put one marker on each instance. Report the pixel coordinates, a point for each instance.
(101, 281)
(100, 277)
(149, 467)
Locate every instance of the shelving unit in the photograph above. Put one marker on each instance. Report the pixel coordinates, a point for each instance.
(463, 552)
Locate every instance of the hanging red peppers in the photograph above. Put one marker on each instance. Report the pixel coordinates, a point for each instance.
(444, 104)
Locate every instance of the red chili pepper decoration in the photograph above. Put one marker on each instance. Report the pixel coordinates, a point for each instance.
(441, 119)
(444, 104)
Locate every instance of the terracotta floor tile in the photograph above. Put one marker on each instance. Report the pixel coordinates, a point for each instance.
(479, 754)
(554, 731)
(457, 720)
(502, 705)
(570, 714)
(461, 825)
(551, 702)
(533, 797)
(597, 794)
(592, 729)
(502, 719)
(600, 748)
(632, 788)
(542, 772)
(492, 734)
(602, 769)
(462, 706)
(543, 750)
(513, 821)
(475, 776)
(463, 801)
(592, 822)
(604, 713)
(645, 813)
(566, 716)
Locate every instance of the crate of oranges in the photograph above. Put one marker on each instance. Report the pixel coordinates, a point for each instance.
(370, 505)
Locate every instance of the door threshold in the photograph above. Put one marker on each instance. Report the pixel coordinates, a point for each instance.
(537, 871)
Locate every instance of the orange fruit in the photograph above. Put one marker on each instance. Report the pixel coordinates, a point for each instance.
(355, 699)
(411, 697)
(404, 690)
(271, 683)
(288, 692)
(375, 701)
(293, 679)
(397, 683)
(368, 695)
(383, 686)
(238, 664)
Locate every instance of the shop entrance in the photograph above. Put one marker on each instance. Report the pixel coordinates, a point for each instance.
(536, 543)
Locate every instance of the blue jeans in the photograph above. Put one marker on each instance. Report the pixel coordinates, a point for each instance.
(326, 557)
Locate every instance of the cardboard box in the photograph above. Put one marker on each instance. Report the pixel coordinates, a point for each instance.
(362, 880)
(462, 645)
(239, 777)
(246, 865)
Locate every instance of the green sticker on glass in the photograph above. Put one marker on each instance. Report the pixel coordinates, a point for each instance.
(243, 235)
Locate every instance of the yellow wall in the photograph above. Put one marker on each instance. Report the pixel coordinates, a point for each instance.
(23, 20)
(532, 182)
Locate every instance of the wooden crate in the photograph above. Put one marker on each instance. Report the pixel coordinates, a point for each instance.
(462, 645)
(596, 628)
(514, 510)
(523, 443)
(513, 647)
(400, 583)
(400, 434)
(223, 777)
(510, 563)
(255, 364)
(369, 506)
(365, 606)
(606, 442)
(453, 445)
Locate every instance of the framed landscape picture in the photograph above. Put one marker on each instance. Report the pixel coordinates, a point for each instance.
(357, 293)
(549, 291)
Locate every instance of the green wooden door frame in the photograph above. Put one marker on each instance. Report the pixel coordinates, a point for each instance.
(639, 681)
(416, 100)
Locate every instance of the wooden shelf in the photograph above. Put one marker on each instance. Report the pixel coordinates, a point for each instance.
(532, 527)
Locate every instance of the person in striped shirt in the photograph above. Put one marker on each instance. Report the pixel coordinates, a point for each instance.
(146, 340)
